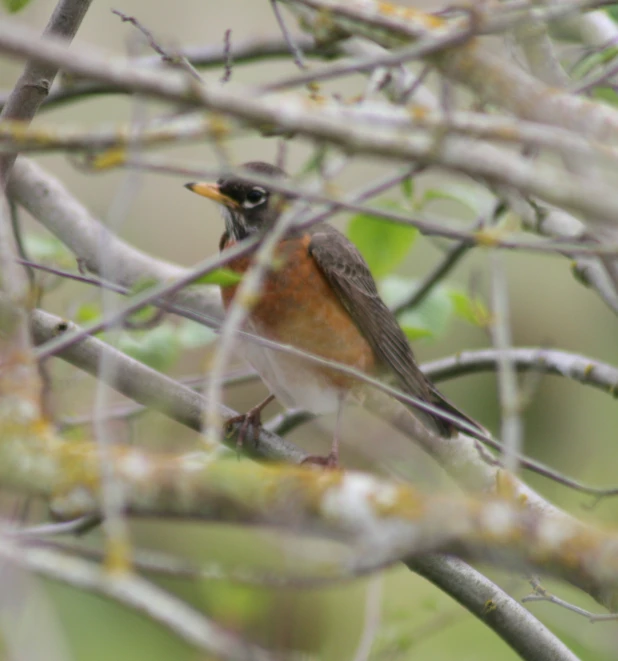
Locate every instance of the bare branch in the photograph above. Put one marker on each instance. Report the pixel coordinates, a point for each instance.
(551, 361)
(153, 389)
(252, 49)
(397, 521)
(38, 76)
(598, 201)
(173, 59)
(539, 593)
(296, 51)
(485, 600)
(511, 424)
(138, 594)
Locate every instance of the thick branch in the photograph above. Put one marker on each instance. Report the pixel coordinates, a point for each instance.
(138, 594)
(494, 607)
(593, 198)
(386, 521)
(46, 198)
(492, 77)
(38, 76)
(151, 388)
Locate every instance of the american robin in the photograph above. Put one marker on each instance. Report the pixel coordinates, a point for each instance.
(320, 298)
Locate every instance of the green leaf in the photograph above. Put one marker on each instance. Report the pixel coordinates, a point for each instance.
(147, 313)
(407, 188)
(473, 199)
(47, 249)
(142, 284)
(222, 277)
(429, 319)
(612, 10)
(593, 60)
(87, 312)
(471, 309)
(382, 243)
(159, 348)
(315, 161)
(192, 335)
(13, 6)
(607, 94)
(144, 316)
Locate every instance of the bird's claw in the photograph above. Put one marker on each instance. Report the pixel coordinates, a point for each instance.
(251, 419)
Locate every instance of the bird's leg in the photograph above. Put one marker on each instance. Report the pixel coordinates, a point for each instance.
(252, 418)
(331, 460)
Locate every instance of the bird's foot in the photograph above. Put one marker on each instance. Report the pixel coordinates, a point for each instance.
(252, 419)
(330, 461)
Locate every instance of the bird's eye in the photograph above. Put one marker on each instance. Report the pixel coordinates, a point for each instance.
(254, 197)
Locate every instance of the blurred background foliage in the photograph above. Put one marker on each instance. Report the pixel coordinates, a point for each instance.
(571, 427)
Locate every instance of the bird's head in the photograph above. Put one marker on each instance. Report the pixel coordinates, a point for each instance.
(247, 208)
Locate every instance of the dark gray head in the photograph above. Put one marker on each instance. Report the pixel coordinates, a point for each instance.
(247, 208)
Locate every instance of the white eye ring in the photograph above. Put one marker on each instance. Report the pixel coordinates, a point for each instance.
(254, 197)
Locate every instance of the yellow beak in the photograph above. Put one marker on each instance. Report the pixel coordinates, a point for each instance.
(212, 192)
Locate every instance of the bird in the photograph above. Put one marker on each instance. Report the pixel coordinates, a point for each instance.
(320, 298)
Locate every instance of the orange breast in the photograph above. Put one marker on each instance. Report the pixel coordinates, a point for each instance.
(298, 307)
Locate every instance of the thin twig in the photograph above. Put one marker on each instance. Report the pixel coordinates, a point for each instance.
(397, 57)
(295, 49)
(248, 50)
(174, 59)
(597, 201)
(425, 225)
(539, 593)
(227, 55)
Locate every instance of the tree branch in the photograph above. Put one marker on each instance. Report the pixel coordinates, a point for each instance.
(138, 594)
(492, 606)
(598, 201)
(551, 361)
(151, 388)
(38, 76)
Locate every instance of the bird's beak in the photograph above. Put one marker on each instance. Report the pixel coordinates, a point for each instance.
(212, 192)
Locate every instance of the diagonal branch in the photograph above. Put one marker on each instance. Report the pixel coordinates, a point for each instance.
(492, 606)
(151, 388)
(138, 594)
(592, 198)
(38, 76)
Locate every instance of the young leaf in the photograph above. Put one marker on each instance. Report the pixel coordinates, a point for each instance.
(142, 284)
(222, 277)
(48, 249)
(473, 199)
(87, 312)
(13, 6)
(428, 319)
(607, 94)
(192, 335)
(469, 308)
(407, 188)
(593, 60)
(383, 244)
(159, 348)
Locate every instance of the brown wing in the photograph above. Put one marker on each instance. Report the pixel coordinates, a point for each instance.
(350, 277)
